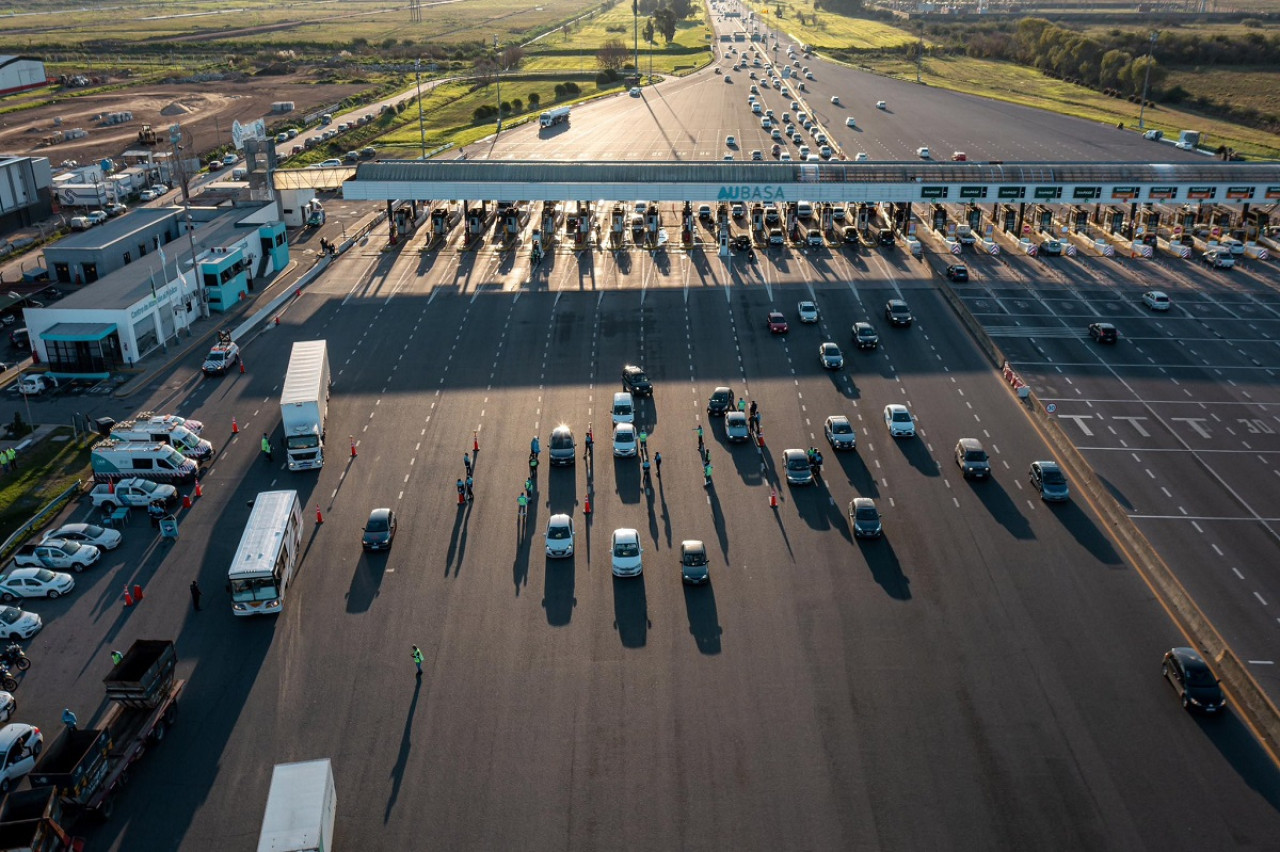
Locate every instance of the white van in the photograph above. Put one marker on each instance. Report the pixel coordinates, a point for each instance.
(624, 408)
(804, 209)
(80, 223)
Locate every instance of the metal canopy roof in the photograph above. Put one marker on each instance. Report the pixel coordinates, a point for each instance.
(829, 181)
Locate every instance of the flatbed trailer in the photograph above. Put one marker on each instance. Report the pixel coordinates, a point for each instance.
(88, 766)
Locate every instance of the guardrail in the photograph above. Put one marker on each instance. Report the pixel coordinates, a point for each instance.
(53, 506)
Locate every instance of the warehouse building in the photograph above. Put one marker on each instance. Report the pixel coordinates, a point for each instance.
(19, 73)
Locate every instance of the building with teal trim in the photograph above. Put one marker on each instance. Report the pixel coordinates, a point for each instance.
(146, 306)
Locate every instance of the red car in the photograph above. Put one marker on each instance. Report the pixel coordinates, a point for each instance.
(777, 323)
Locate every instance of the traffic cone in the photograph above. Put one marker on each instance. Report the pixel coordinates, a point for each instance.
(128, 598)
(773, 498)
(242, 366)
(760, 439)
(235, 427)
(186, 501)
(111, 487)
(319, 517)
(475, 442)
(586, 505)
(199, 490)
(353, 447)
(137, 592)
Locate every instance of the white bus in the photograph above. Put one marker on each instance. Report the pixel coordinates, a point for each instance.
(268, 554)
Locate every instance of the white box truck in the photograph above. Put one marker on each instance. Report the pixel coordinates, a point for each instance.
(300, 808)
(304, 404)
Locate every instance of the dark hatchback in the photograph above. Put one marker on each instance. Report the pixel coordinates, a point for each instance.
(380, 530)
(693, 562)
(1103, 332)
(897, 313)
(636, 381)
(1193, 680)
(720, 402)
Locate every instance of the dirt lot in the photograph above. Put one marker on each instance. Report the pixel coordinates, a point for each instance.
(205, 111)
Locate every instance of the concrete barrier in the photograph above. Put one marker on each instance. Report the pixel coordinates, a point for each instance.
(1028, 248)
(1104, 247)
(1255, 251)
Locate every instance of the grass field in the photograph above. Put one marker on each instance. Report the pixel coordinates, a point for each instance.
(835, 31)
(52, 27)
(576, 52)
(47, 469)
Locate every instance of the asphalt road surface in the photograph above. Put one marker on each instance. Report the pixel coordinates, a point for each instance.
(992, 662)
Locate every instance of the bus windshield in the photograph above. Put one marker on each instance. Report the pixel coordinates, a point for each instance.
(254, 589)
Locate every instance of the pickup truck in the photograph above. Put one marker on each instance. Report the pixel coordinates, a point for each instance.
(134, 493)
(57, 555)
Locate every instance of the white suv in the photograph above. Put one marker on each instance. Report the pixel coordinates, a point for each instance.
(20, 745)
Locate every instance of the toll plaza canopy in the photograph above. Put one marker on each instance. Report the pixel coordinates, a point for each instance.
(972, 182)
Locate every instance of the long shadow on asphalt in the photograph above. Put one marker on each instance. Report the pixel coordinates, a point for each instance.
(626, 479)
(1080, 525)
(1002, 508)
(704, 620)
(457, 540)
(1115, 492)
(885, 568)
(402, 755)
(1236, 742)
(855, 472)
(366, 581)
(562, 490)
(631, 611)
(524, 537)
(559, 579)
(815, 507)
(917, 455)
(717, 520)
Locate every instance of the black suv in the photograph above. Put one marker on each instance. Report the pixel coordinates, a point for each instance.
(1103, 332)
(865, 335)
(635, 381)
(1193, 680)
(897, 312)
(958, 272)
(886, 238)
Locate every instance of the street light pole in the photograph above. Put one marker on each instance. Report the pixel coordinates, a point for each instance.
(497, 63)
(422, 128)
(1146, 81)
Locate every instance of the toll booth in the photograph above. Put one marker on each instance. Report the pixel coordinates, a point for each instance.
(1184, 225)
(549, 222)
(687, 222)
(1148, 224)
(866, 215)
(511, 223)
(583, 230)
(826, 218)
(792, 220)
(440, 223)
(535, 245)
(475, 217)
(757, 218)
(1080, 220)
(939, 218)
(1113, 219)
(723, 217)
(618, 225)
(1256, 223)
(1044, 219)
(1009, 219)
(973, 215)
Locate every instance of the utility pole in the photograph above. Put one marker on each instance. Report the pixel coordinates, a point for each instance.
(1142, 110)
(422, 128)
(920, 52)
(635, 26)
(497, 62)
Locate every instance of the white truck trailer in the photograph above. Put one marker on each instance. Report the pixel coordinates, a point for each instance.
(554, 116)
(304, 404)
(300, 808)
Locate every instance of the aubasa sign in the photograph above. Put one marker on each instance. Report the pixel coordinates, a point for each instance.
(751, 192)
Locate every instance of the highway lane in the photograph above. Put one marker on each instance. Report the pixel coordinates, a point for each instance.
(543, 675)
(1180, 416)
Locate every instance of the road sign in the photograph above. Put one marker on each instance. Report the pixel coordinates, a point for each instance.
(1051, 407)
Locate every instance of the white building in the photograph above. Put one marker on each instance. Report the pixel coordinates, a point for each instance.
(20, 72)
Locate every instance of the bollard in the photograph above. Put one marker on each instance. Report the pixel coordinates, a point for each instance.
(319, 517)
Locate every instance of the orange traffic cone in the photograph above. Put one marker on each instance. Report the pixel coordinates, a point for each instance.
(242, 366)
(353, 447)
(186, 501)
(319, 517)
(773, 497)
(137, 591)
(475, 442)
(235, 427)
(111, 487)
(199, 490)
(277, 319)
(128, 598)
(586, 505)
